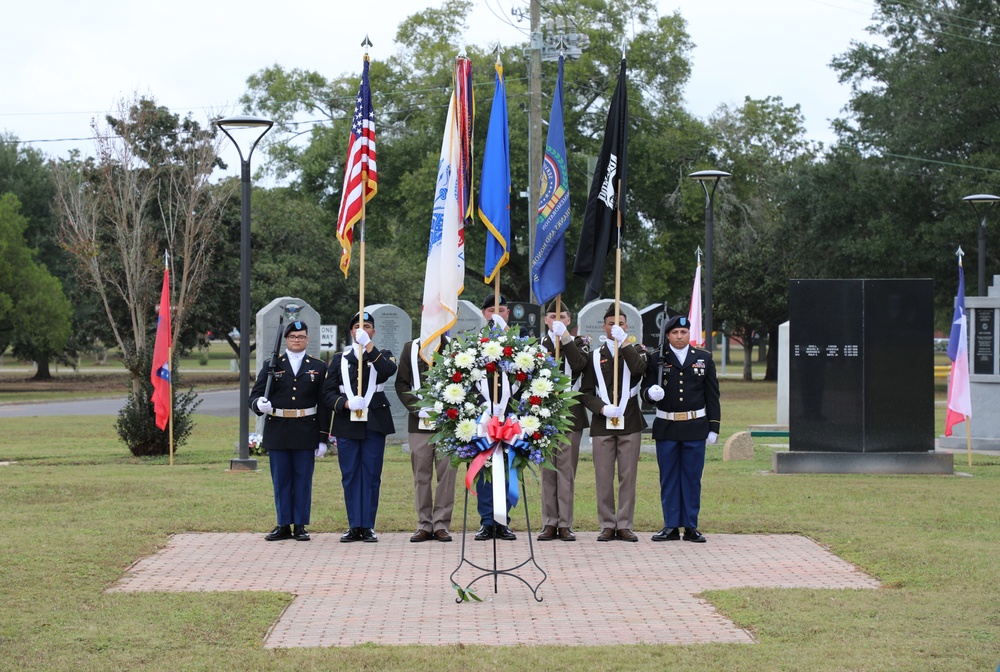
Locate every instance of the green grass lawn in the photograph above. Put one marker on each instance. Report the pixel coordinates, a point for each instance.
(79, 510)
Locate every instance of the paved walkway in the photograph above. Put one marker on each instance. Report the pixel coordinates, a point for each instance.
(397, 592)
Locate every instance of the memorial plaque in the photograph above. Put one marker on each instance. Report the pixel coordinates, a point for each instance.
(470, 318)
(984, 342)
(526, 316)
(861, 369)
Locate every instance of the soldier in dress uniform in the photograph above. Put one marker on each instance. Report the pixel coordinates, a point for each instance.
(295, 430)
(681, 382)
(434, 506)
(361, 421)
(558, 483)
(616, 425)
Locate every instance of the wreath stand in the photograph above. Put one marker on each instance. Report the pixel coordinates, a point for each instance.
(509, 571)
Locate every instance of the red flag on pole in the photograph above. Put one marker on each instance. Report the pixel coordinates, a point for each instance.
(160, 374)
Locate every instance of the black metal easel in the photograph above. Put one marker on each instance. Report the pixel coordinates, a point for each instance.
(494, 572)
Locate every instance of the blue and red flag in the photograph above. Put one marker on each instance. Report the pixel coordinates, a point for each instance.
(959, 391)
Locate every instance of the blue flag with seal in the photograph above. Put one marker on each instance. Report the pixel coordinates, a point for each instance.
(494, 192)
(548, 260)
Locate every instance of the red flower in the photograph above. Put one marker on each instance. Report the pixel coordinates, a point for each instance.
(457, 378)
(491, 367)
(521, 376)
(452, 413)
(540, 355)
(508, 351)
(484, 340)
(535, 401)
(536, 436)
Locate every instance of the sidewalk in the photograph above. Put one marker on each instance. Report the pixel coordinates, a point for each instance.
(397, 592)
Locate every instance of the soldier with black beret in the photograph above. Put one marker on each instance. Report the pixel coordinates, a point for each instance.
(295, 430)
(682, 383)
(361, 421)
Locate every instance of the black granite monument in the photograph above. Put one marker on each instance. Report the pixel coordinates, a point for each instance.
(861, 378)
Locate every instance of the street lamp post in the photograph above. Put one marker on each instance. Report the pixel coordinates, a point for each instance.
(987, 201)
(704, 177)
(250, 130)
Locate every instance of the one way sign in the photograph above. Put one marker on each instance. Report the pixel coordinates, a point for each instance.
(327, 337)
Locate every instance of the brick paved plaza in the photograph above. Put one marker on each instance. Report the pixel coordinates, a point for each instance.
(397, 592)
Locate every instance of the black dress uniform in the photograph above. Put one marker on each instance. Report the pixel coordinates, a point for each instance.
(689, 410)
(360, 445)
(292, 432)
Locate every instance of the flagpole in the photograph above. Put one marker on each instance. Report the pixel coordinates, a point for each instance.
(361, 283)
(968, 439)
(558, 314)
(618, 287)
(170, 383)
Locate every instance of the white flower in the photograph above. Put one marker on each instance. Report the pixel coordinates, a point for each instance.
(477, 375)
(492, 350)
(544, 412)
(530, 424)
(453, 393)
(465, 359)
(540, 387)
(465, 430)
(544, 373)
(438, 407)
(524, 361)
(469, 408)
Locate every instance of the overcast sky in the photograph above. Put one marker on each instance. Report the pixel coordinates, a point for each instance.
(66, 61)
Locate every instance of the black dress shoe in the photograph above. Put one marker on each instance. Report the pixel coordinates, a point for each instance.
(279, 533)
(485, 532)
(368, 535)
(668, 534)
(353, 534)
(301, 533)
(548, 533)
(692, 534)
(504, 532)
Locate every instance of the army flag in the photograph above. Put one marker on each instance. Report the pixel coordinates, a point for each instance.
(159, 376)
(959, 392)
(360, 173)
(548, 260)
(600, 232)
(694, 311)
(445, 272)
(494, 189)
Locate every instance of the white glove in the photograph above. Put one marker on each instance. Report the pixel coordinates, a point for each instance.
(553, 337)
(611, 411)
(655, 393)
(499, 409)
(357, 403)
(321, 451)
(558, 328)
(499, 321)
(712, 437)
(424, 414)
(264, 406)
(618, 334)
(362, 338)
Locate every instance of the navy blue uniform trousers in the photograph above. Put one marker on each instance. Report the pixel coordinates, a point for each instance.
(681, 464)
(291, 476)
(361, 475)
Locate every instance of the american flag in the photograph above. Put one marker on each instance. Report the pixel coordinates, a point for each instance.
(360, 174)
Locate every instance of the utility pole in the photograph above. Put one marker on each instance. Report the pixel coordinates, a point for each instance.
(536, 144)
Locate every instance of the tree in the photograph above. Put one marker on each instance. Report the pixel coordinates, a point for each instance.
(411, 89)
(921, 132)
(758, 142)
(34, 312)
(147, 190)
